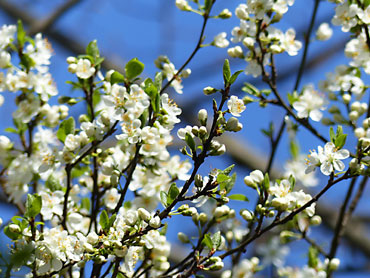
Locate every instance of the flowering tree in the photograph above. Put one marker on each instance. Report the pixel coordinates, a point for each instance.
(88, 208)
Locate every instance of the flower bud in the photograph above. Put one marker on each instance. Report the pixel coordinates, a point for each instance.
(250, 182)
(203, 218)
(316, 220)
(359, 132)
(346, 98)
(353, 115)
(225, 14)
(183, 237)
(183, 208)
(198, 181)
(247, 215)
(202, 116)
(334, 264)
(209, 91)
(144, 214)
(186, 73)
(14, 228)
(155, 222)
(71, 60)
(1, 221)
(232, 124)
(235, 52)
(216, 266)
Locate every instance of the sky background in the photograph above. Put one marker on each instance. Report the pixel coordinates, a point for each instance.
(146, 29)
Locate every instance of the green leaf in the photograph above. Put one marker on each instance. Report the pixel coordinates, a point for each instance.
(65, 128)
(313, 257)
(11, 235)
(250, 89)
(92, 49)
(156, 102)
(111, 220)
(53, 183)
(235, 76)
(266, 182)
(21, 34)
(222, 178)
(292, 182)
(164, 197)
(158, 79)
(238, 197)
(133, 68)
(27, 62)
(190, 141)
(226, 72)
(207, 241)
(33, 205)
(332, 134)
(340, 141)
(228, 170)
(173, 192)
(85, 203)
(96, 97)
(294, 149)
(116, 77)
(216, 240)
(104, 220)
(11, 130)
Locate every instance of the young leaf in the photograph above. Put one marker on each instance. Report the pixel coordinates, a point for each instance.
(238, 197)
(340, 141)
(133, 68)
(116, 77)
(21, 34)
(92, 49)
(332, 134)
(207, 241)
(104, 220)
(266, 182)
(294, 149)
(65, 128)
(250, 89)
(33, 205)
(164, 197)
(173, 192)
(190, 141)
(234, 77)
(158, 79)
(216, 240)
(226, 72)
(312, 257)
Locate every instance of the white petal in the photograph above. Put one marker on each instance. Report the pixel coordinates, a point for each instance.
(341, 154)
(315, 115)
(326, 168)
(338, 165)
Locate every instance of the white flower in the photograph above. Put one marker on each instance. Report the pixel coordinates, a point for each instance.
(220, 40)
(365, 16)
(310, 103)
(84, 70)
(7, 34)
(111, 198)
(324, 32)
(183, 5)
(345, 15)
(328, 158)
(235, 105)
(291, 45)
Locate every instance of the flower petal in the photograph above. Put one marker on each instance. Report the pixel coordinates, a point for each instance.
(326, 168)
